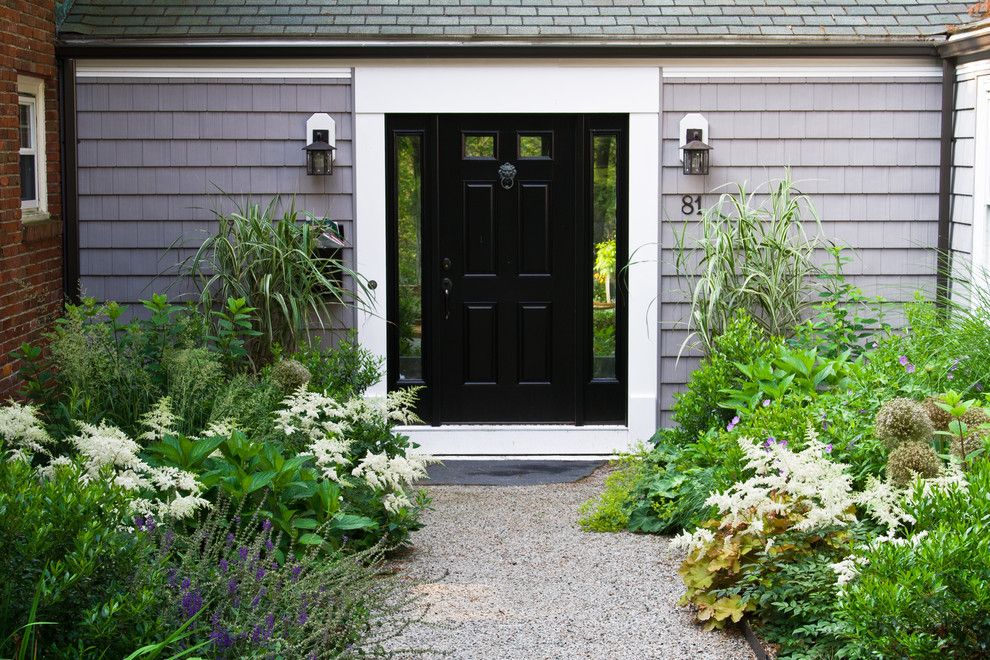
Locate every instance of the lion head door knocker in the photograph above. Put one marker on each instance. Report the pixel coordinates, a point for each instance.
(507, 175)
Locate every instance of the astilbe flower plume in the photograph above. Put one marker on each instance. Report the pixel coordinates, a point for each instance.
(22, 431)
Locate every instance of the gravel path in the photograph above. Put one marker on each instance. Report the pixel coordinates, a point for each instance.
(507, 573)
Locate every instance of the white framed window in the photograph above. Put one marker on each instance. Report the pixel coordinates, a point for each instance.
(31, 133)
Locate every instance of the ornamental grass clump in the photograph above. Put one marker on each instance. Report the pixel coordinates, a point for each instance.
(900, 421)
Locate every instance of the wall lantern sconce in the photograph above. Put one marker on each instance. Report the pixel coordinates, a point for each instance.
(321, 144)
(695, 154)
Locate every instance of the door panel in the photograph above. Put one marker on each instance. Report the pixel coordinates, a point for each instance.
(507, 243)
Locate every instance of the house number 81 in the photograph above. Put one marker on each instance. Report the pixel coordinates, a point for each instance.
(691, 205)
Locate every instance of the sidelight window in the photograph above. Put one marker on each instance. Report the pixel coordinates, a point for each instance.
(409, 200)
(604, 151)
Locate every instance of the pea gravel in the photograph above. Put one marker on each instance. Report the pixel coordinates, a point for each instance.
(505, 572)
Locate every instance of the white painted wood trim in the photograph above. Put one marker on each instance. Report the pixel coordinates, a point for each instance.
(470, 441)
(206, 68)
(845, 68)
(505, 88)
(543, 88)
(981, 186)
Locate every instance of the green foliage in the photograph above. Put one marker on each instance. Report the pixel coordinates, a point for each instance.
(233, 329)
(697, 409)
(272, 264)
(346, 370)
(65, 541)
(753, 256)
(609, 511)
(193, 376)
(928, 597)
(604, 332)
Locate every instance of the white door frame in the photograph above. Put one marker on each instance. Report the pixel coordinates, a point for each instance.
(529, 87)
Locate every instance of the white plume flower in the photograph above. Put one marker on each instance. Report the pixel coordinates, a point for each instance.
(23, 432)
(159, 421)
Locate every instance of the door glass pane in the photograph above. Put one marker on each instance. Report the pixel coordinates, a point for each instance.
(604, 156)
(409, 195)
(535, 145)
(479, 146)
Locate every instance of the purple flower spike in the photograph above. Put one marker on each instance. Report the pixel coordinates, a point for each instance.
(186, 584)
(242, 552)
(266, 524)
(230, 539)
(260, 573)
(296, 570)
(223, 565)
(231, 587)
(192, 603)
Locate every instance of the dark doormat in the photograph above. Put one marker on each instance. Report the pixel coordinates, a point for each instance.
(509, 473)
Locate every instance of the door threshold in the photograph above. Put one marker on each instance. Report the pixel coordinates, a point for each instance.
(514, 441)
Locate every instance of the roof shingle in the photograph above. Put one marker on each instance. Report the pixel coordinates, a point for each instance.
(536, 20)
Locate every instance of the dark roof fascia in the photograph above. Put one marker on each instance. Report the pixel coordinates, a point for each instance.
(967, 47)
(151, 49)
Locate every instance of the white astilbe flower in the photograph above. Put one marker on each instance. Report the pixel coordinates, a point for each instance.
(384, 473)
(884, 502)
(311, 414)
(159, 421)
(174, 492)
(220, 429)
(807, 476)
(395, 502)
(22, 431)
(107, 446)
(330, 454)
(847, 569)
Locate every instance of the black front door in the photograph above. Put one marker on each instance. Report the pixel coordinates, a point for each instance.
(507, 242)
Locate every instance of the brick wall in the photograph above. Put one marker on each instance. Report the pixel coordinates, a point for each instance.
(30, 250)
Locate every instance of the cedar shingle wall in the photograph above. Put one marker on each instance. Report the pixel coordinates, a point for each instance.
(154, 154)
(866, 151)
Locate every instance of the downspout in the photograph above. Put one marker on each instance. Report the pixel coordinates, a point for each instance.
(943, 282)
(70, 188)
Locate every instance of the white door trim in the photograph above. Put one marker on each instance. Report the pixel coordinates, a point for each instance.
(537, 87)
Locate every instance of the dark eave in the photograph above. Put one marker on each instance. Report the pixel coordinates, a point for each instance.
(79, 46)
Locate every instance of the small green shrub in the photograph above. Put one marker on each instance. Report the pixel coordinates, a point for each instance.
(343, 371)
(696, 410)
(609, 511)
(290, 375)
(72, 540)
(193, 377)
(928, 597)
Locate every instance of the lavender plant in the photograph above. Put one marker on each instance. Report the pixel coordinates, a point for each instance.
(254, 601)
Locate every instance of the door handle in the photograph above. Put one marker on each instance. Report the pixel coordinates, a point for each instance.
(446, 286)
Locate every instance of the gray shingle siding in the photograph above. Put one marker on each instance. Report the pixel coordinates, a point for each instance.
(865, 150)
(154, 154)
(849, 20)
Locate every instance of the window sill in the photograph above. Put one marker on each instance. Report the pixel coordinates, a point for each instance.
(37, 225)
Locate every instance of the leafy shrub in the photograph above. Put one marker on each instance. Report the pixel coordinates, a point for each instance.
(609, 511)
(290, 375)
(929, 595)
(68, 538)
(193, 375)
(697, 409)
(346, 370)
